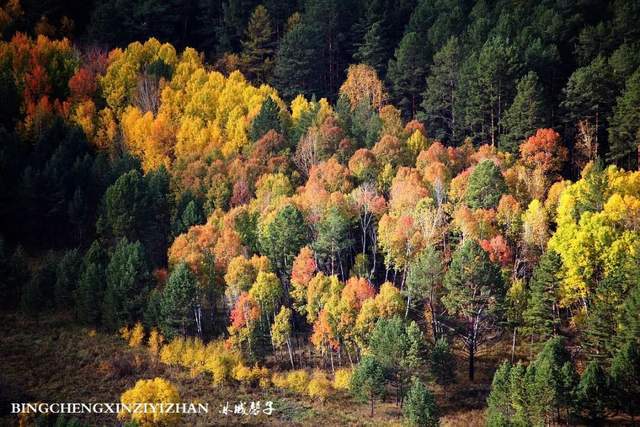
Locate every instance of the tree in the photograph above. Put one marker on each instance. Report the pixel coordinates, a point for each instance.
(624, 132)
(589, 95)
(407, 71)
(544, 150)
(389, 345)
(178, 302)
(333, 238)
(127, 277)
(297, 70)
(442, 362)
(367, 381)
(67, 275)
(363, 85)
(499, 400)
(282, 237)
(592, 391)
(89, 293)
(420, 407)
(267, 119)
(474, 293)
(540, 315)
(526, 113)
(485, 187)
(281, 331)
(441, 104)
(372, 51)
(257, 48)
(424, 283)
(625, 379)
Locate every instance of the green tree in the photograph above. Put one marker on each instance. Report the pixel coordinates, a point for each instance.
(268, 118)
(624, 130)
(592, 392)
(89, 294)
(257, 47)
(442, 362)
(539, 317)
(373, 50)
(486, 186)
(525, 115)
(67, 275)
(424, 283)
(407, 71)
(178, 302)
(367, 381)
(441, 105)
(625, 379)
(629, 323)
(499, 410)
(420, 407)
(333, 238)
(474, 295)
(282, 238)
(127, 278)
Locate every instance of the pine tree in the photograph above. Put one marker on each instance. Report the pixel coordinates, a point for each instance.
(499, 410)
(407, 71)
(592, 391)
(127, 277)
(420, 407)
(372, 51)
(257, 48)
(625, 379)
(67, 275)
(268, 118)
(441, 99)
(624, 130)
(89, 294)
(442, 363)
(629, 322)
(539, 318)
(486, 186)
(178, 301)
(525, 115)
(367, 381)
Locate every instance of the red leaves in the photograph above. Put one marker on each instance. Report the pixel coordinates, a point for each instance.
(245, 311)
(498, 250)
(544, 150)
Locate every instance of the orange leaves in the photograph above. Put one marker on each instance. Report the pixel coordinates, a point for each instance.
(244, 312)
(363, 84)
(544, 150)
(498, 250)
(406, 190)
(304, 267)
(356, 291)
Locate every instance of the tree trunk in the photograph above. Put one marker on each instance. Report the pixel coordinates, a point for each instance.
(472, 369)
(290, 353)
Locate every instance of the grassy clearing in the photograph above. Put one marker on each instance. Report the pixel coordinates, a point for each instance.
(54, 360)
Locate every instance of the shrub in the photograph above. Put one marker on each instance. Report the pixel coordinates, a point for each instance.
(156, 390)
(137, 335)
(155, 342)
(342, 379)
(319, 386)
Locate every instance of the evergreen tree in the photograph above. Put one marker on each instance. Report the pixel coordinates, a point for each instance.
(367, 381)
(268, 118)
(89, 294)
(282, 238)
(539, 317)
(589, 95)
(525, 115)
(441, 99)
(499, 410)
(67, 275)
(373, 51)
(442, 363)
(420, 407)
(192, 215)
(592, 391)
(624, 131)
(257, 48)
(474, 296)
(127, 279)
(178, 302)
(299, 62)
(625, 379)
(629, 322)
(333, 239)
(407, 71)
(486, 186)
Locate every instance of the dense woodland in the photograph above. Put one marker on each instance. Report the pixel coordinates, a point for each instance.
(333, 195)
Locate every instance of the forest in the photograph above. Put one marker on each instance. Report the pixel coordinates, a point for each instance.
(413, 212)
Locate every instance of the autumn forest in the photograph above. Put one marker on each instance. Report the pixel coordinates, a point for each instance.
(340, 212)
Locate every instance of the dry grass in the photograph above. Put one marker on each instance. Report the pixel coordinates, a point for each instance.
(54, 360)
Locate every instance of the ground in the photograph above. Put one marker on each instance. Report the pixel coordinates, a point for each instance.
(54, 360)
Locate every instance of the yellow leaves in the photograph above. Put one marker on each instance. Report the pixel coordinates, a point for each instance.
(416, 143)
(342, 379)
(149, 138)
(319, 386)
(155, 342)
(157, 390)
(535, 225)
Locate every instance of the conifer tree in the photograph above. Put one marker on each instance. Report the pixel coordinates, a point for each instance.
(625, 379)
(486, 186)
(367, 381)
(177, 302)
(420, 407)
(407, 71)
(372, 51)
(525, 115)
(592, 391)
(268, 118)
(257, 48)
(539, 317)
(624, 130)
